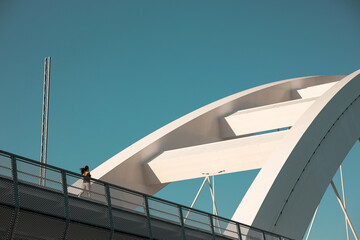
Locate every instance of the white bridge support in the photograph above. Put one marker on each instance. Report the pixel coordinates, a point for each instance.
(238, 133)
(291, 184)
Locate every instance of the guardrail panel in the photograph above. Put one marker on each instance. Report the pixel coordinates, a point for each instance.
(225, 228)
(48, 199)
(5, 166)
(91, 206)
(165, 220)
(251, 233)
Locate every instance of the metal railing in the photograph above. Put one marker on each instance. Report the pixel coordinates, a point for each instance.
(109, 207)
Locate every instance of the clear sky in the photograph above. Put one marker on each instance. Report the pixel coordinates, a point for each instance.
(122, 69)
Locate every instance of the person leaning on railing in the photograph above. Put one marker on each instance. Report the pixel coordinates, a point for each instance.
(86, 181)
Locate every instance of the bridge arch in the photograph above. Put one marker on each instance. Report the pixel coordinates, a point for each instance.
(296, 165)
(291, 184)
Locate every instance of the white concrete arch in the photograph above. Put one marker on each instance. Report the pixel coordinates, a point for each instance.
(287, 190)
(236, 134)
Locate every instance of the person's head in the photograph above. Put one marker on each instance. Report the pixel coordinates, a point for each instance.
(84, 169)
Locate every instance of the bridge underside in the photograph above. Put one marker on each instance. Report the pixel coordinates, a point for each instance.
(42, 216)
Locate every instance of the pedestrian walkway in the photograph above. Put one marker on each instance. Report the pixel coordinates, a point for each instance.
(48, 208)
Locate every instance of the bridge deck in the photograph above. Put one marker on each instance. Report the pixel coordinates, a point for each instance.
(30, 210)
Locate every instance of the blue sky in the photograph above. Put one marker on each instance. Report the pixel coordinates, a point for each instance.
(122, 69)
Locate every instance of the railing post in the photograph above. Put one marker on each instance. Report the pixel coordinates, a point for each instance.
(148, 216)
(16, 197)
(111, 220)
(66, 203)
(182, 222)
(263, 233)
(212, 226)
(239, 230)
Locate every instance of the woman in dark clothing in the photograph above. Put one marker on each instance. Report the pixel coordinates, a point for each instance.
(86, 181)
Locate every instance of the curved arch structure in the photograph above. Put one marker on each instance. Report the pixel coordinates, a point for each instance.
(318, 122)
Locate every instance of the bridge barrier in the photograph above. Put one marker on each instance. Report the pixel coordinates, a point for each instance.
(50, 208)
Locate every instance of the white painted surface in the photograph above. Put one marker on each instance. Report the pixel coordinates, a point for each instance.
(268, 117)
(234, 155)
(202, 126)
(315, 91)
(287, 190)
(270, 198)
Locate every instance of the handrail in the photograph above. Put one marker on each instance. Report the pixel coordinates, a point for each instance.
(116, 186)
(146, 197)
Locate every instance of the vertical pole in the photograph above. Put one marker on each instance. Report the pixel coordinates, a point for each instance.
(214, 204)
(148, 215)
(212, 226)
(16, 198)
(42, 123)
(182, 222)
(66, 201)
(344, 210)
(343, 193)
(213, 184)
(111, 220)
(45, 114)
(239, 231)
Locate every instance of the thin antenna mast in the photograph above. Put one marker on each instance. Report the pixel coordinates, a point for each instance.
(45, 119)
